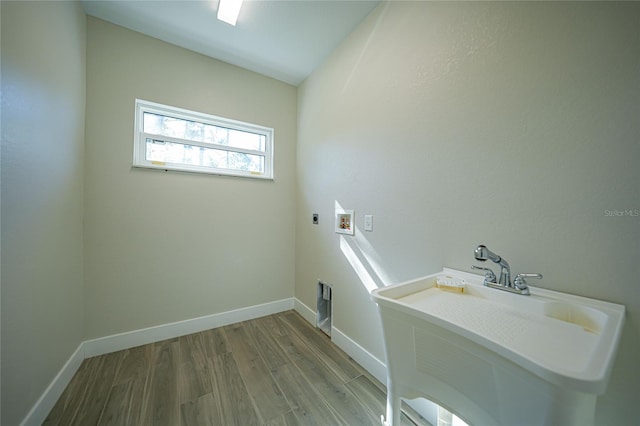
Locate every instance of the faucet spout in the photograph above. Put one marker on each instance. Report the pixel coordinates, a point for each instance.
(482, 253)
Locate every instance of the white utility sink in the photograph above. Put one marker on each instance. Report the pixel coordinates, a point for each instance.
(494, 357)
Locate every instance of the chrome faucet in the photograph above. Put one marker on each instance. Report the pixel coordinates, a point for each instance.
(519, 284)
(482, 253)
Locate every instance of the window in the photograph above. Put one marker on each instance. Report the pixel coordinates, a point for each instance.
(170, 138)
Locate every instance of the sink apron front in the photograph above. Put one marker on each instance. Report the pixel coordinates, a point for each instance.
(450, 365)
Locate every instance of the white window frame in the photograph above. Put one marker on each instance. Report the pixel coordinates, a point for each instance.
(140, 137)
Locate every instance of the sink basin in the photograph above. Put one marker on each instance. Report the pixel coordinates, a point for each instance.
(590, 319)
(554, 343)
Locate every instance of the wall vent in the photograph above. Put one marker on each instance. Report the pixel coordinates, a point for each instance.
(323, 316)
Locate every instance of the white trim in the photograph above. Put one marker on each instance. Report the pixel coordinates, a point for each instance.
(52, 393)
(116, 342)
(130, 339)
(373, 365)
(140, 144)
(366, 359)
(306, 312)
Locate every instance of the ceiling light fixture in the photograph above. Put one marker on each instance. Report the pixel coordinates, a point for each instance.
(228, 10)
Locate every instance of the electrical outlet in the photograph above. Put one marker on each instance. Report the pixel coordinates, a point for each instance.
(368, 222)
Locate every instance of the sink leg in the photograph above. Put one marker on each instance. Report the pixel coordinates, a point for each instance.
(393, 408)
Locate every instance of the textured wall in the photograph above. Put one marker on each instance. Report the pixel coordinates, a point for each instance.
(43, 95)
(163, 247)
(458, 123)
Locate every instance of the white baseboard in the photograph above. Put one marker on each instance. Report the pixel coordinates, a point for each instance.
(306, 312)
(363, 357)
(117, 342)
(373, 365)
(50, 396)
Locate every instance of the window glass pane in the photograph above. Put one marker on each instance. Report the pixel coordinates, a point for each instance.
(246, 140)
(165, 126)
(169, 152)
(195, 131)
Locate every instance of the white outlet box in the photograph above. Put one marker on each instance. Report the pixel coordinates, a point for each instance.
(368, 222)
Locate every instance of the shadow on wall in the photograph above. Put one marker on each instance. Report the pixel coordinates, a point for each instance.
(364, 259)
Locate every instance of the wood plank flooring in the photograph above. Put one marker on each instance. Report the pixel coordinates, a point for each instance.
(275, 370)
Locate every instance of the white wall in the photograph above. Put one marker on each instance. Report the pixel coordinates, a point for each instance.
(163, 247)
(43, 95)
(459, 123)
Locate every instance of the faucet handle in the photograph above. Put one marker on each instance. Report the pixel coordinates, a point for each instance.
(520, 283)
(489, 275)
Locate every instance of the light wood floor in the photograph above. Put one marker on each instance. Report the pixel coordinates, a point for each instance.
(275, 370)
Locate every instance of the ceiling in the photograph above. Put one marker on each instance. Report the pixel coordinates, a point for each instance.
(282, 39)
